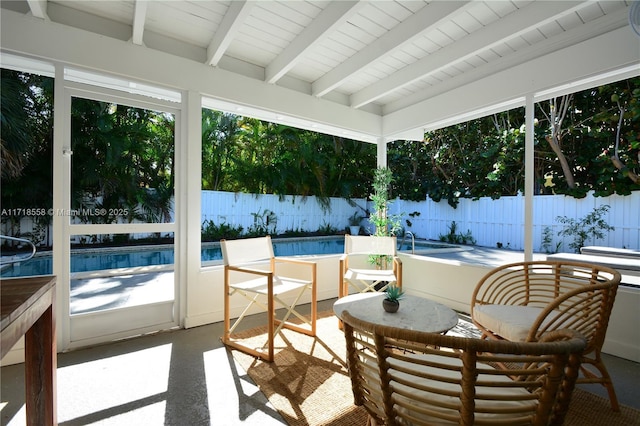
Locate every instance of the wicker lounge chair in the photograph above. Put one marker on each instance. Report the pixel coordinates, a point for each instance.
(524, 301)
(404, 377)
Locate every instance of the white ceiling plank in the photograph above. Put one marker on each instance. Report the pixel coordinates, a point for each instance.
(502, 50)
(174, 37)
(413, 27)
(395, 9)
(485, 13)
(110, 56)
(286, 32)
(186, 22)
(508, 27)
(320, 28)
(498, 91)
(551, 29)
(236, 14)
(139, 17)
(377, 15)
(591, 12)
(580, 36)
(38, 8)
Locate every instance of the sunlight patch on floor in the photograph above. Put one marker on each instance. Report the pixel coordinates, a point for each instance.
(237, 399)
(122, 388)
(20, 419)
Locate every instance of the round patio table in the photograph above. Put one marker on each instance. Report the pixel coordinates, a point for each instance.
(415, 313)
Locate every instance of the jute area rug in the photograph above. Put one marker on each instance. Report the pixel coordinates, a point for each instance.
(309, 385)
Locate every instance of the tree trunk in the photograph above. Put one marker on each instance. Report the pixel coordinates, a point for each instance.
(615, 158)
(566, 170)
(557, 114)
(622, 167)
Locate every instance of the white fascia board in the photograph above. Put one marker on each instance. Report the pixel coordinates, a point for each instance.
(410, 135)
(604, 59)
(26, 35)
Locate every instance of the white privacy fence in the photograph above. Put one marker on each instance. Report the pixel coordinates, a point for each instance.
(489, 221)
(502, 221)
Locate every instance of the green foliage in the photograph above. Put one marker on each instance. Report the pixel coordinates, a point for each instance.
(295, 233)
(385, 224)
(327, 229)
(220, 132)
(123, 158)
(264, 223)
(591, 226)
(453, 237)
(26, 142)
(547, 241)
(355, 219)
(214, 232)
(485, 157)
(394, 293)
(241, 154)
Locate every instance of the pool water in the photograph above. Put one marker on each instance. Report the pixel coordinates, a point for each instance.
(93, 260)
(106, 259)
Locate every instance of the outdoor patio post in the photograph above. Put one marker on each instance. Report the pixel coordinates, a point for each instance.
(382, 152)
(528, 178)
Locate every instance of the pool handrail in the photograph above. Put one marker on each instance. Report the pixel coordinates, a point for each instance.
(413, 241)
(6, 260)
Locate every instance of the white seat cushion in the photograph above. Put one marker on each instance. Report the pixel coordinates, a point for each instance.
(508, 321)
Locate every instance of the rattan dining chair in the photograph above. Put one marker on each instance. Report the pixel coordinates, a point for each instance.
(525, 300)
(409, 377)
(357, 269)
(251, 270)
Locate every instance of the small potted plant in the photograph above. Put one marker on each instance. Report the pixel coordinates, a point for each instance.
(354, 223)
(391, 302)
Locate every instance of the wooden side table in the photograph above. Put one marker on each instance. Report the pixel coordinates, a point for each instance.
(28, 309)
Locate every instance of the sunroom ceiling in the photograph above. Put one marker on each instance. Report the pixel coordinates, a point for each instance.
(386, 58)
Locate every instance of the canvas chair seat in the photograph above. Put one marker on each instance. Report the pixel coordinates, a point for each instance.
(281, 285)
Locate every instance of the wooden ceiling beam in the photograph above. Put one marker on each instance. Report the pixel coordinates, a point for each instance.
(509, 27)
(139, 17)
(417, 24)
(332, 17)
(234, 18)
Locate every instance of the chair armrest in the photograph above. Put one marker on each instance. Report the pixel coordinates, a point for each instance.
(309, 266)
(344, 264)
(294, 261)
(249, 270)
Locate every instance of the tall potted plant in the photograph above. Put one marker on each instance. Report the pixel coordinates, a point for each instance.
(354, 223)
(385, 224)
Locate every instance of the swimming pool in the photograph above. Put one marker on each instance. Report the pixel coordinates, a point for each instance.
(84, 260)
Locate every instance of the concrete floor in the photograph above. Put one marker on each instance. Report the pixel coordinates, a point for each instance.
(183, 377)
(187, 377)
